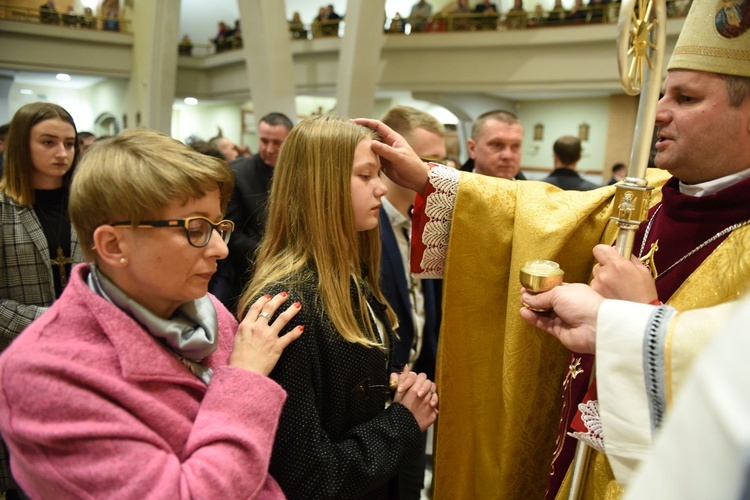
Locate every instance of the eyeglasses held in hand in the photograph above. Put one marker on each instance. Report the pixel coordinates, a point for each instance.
(197, 229)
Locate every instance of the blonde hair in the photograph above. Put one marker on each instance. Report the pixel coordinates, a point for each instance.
(136, 175)
(404, 119)
(310, 232)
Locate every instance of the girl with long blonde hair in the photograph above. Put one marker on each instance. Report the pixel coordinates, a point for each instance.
(338, 437)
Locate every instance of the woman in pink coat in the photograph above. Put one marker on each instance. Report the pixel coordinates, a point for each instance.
(134, 384)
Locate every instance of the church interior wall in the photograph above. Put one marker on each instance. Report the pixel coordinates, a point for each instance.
(564, 117)
(430, 71)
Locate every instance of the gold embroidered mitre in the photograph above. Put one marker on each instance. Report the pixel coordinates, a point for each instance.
(715, 38)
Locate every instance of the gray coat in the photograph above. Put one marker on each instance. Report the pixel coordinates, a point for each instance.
(27, 287)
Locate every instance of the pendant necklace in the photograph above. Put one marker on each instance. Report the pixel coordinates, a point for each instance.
(60, 259)
(691, 252)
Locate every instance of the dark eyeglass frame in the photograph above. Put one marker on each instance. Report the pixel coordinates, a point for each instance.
(362, 390)
(185, 224)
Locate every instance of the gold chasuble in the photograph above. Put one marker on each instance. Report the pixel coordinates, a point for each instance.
(500, 380)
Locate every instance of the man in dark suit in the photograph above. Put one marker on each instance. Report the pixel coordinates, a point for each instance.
(247, 208)
(566, 153)
(415, 301)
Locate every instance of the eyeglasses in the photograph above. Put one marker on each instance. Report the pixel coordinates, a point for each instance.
(362, 390)
(197, 229)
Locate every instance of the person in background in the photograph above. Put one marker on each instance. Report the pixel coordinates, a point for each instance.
(420, 15)
(243, 151)
(247, 208)
(516, 17)
(220, 40)
(111, 22)
(566, 153)
(88, 21)
(556, 16)
(48, 13)
(486, 7)
(318, 23)
(332, 21)
(495, 146)
(207, 148)
(297, 27)
(227, 147)
(416, 302)
(38, 244)
(85, 141)
(136, 364)
(490, 12)
(338, 437)
(618, 173)
(70, 18)
(397, 25)
(233, 36)
(185, 48)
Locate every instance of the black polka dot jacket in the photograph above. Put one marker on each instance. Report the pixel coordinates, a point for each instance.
(335, 438)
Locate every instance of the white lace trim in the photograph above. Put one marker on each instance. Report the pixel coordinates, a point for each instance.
(590, 416)
(439, 208)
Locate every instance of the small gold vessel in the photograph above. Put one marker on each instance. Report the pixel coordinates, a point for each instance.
(541, 275)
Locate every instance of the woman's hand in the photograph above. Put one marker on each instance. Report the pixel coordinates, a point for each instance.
(400, 163)
(418, 394)
(257, 345)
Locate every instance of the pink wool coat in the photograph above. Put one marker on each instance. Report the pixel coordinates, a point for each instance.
(93, 406)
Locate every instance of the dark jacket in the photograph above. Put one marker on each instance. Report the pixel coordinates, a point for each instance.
(569, 180)
(396, 291)
(330, 442)
(247, 209)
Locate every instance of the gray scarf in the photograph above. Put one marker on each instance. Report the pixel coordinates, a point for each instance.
(191, 333)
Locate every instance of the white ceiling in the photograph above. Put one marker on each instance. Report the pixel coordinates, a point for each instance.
(38, 78)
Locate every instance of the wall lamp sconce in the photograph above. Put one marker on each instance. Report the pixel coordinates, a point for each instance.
(583, 131)
(538, 132)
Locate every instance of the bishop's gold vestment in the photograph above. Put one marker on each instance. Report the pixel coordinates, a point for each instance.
(499, 379)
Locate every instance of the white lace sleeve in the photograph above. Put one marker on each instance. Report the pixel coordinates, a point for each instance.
(439, 208)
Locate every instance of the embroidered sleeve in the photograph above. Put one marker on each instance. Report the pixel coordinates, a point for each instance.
(438, 213)
(653, 361)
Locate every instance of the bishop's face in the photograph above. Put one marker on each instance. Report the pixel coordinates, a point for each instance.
(701, 136)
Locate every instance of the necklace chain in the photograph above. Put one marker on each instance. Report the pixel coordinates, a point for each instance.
(60, 259)
(691, 252)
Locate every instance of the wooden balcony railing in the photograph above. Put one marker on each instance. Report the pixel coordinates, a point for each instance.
(76, 20)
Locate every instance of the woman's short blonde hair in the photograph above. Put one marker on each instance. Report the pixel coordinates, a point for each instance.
(135, 176)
